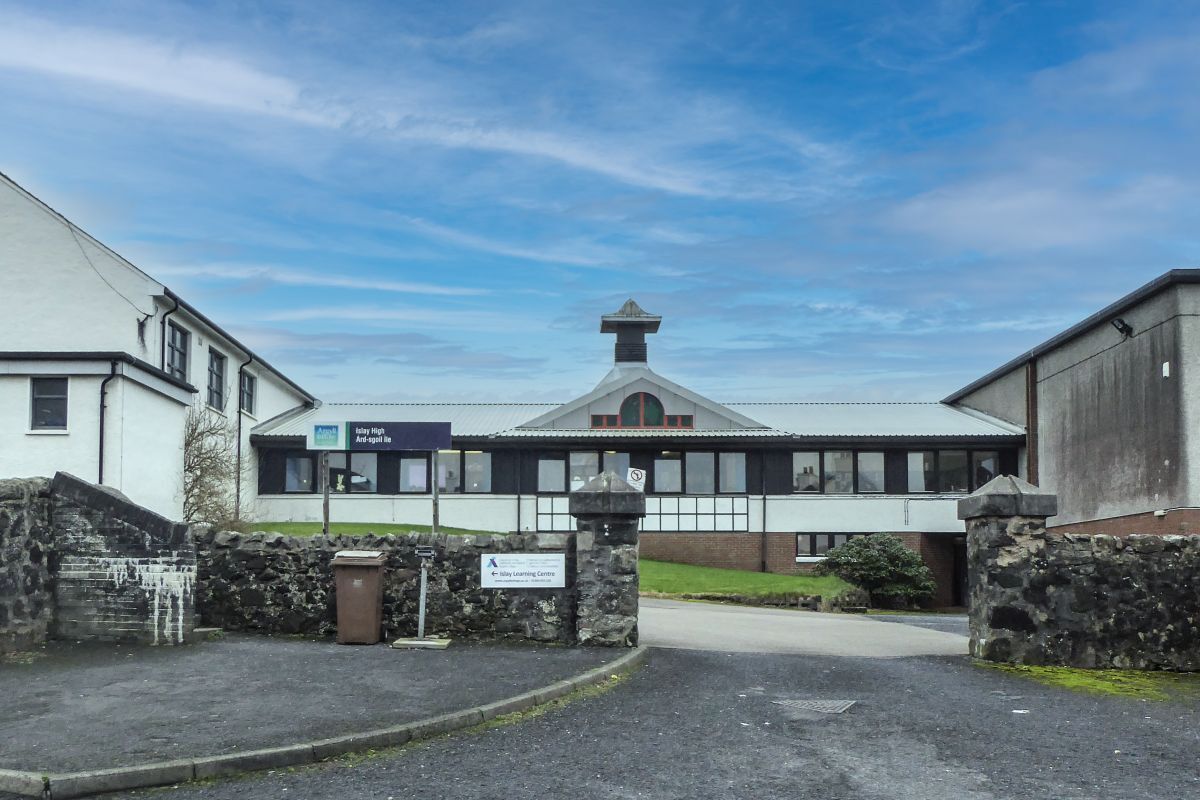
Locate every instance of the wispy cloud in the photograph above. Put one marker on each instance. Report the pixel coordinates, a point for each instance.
(286, 276)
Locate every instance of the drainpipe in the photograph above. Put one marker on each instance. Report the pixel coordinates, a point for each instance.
(103, 393)
(237, 478)
(762, 542)
(162, 337)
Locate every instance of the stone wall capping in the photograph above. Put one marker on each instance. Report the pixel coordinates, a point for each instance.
(1008, 496)
(607, 494)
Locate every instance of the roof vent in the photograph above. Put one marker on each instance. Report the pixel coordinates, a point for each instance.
(630, 324)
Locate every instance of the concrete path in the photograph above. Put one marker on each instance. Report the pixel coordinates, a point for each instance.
(739, 629)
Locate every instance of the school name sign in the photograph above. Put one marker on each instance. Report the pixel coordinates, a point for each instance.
(379, 436)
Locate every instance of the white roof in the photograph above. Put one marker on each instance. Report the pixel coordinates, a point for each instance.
(506, 420)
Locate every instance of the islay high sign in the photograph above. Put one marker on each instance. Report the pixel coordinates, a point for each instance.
(379, 436)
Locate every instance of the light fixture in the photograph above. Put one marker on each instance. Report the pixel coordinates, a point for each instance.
(1124, 327)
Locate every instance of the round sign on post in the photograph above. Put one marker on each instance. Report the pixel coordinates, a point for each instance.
(636, 478)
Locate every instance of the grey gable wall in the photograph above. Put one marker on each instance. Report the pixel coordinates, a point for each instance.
(673, 403)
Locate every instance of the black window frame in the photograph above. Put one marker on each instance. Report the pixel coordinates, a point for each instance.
(557, 455)
(247, 387)
(178, 350)
(812, 539)
(35, 396)
(218, 371)
(315, 477)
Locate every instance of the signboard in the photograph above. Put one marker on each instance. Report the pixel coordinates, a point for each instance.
(325, 436)
(523, 570)
(379, 436)
(398, 436)
(636, 478)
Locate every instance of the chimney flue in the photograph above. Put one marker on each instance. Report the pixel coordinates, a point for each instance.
(630, 324)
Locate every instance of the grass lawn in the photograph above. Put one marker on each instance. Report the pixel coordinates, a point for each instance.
(660, 577)
(353, 528)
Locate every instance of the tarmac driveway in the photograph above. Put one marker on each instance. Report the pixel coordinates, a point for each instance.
(728, 628)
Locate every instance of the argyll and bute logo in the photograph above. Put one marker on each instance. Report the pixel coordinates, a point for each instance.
(492, 563)
(325, 435)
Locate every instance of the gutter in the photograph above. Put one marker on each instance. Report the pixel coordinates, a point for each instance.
(103, 393)
(237, 478)
(162, 336)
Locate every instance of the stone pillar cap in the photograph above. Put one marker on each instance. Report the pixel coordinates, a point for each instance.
(1008, 496)
(607, 494)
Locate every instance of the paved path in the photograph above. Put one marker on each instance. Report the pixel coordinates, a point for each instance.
(97, 706)
(692, 725)
(712, 626)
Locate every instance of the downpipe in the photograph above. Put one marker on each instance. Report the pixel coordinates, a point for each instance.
(103, 396)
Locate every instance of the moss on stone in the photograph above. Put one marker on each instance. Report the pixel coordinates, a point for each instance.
(1136, 684)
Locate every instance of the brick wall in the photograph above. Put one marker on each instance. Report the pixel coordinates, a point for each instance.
(1181, 522)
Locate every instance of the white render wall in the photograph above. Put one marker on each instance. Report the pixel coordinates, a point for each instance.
(784, 514)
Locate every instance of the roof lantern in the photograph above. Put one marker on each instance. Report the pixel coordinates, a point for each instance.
(631, 324)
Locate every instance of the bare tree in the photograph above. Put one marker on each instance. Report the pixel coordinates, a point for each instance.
(209, 469)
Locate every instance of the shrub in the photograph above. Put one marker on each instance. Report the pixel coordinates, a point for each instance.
(893, 575)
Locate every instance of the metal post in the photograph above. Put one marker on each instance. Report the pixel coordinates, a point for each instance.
(436, 481)
(421, 610)
(325, 484)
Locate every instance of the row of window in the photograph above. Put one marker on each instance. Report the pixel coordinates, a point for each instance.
(817, 545)
(642, 410)
(674, 472)
(467, 471)
(864, 472)
(178, 339)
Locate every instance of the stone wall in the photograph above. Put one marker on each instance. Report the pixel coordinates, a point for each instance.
(1049, 597)
(79, 561)
(284, 584)
(26, 548)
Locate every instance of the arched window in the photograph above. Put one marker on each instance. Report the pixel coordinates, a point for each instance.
(642, 410)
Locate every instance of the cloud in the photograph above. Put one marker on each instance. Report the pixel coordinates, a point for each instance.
(579, 253)
(455, 319)
(287, 276)
(417, 351)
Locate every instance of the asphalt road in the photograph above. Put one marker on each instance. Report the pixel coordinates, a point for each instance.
(694, 724)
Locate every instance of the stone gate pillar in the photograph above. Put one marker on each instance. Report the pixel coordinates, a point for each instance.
(1006, 535)
(608, 511)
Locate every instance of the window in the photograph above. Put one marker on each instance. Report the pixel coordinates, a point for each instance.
(952, 471)
(216, 379)
(806, 471)
(985, 465)
(922, 472)
(668, 473)
(870, 472)
(246, 392)
(48, 404)
(733, 472)
(177, 351)
(364, 472)
(339, 474)
(552, 475)
(818, 545)
(298, 474)
(642, 410)
(616, 462)
(414, 474)
(839, 472)
(584, 467)
(477, 473)
(700, 475)
(449, 470)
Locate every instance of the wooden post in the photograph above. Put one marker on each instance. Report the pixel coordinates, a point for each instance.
(325, 490)
(436, 481)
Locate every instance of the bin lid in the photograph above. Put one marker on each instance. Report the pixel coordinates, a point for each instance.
(360, 557)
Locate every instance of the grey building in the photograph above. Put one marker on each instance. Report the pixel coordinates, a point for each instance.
(1112, 408)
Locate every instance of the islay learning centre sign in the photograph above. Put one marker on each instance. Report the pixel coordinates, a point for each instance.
(523, 570)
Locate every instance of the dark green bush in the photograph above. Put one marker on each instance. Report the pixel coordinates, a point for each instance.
(893, 575)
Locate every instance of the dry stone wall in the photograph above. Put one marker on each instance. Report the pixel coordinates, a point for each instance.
(26, 548)
(79, 561)
(284, 584)
(1052, 597)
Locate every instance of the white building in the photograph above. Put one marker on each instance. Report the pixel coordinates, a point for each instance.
(99, 364)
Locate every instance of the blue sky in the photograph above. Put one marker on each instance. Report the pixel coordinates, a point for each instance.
(834, 201)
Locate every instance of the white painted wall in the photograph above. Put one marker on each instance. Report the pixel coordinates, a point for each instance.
(784, 514)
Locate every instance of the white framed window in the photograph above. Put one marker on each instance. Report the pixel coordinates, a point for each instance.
(48, 404)
(216, 379)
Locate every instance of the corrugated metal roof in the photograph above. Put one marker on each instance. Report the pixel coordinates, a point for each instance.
(874, 419)
(466, 419)
(866, 420)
